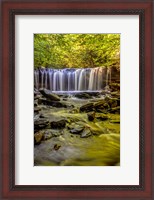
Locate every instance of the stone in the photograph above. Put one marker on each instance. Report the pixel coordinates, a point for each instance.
(40, 100)
(37, 97)
(40, 124)
(36, 92)
(115, 110)
(37, 109)
(47, 134)
(82, 95)
(86, 107)
(77, 129)
(56, 104)
(104, 92)
(113, 103)
(91, 116)
(99, 104)
(58, 124)
(101, 110)
(86, 133)
(115, 86)
(49, 95)
(102, 117)
(56, 147)
(38, 137)
(106, 106)
(35, 103)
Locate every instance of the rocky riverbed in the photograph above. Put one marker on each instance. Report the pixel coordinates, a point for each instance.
(77, 129)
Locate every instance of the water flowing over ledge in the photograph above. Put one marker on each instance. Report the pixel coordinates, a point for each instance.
(69, 79)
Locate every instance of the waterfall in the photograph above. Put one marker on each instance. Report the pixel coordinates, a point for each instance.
(108, 77)
(82, 79)
(36, 79)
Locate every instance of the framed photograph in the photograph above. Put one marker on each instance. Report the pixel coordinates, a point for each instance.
(76, 99)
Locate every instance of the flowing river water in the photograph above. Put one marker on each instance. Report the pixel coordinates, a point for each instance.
(97, 145)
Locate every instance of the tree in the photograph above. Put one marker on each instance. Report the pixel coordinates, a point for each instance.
(76, 50)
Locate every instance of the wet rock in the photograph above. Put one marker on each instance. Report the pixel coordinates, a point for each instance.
(91, 116)
(58, 124)
(47, 134)
(93, 94)
(50, 133)
(36, 92)
(87, 107)
(42, 116)
(99, 104)
(37, 109)
(56, 147)
(35, 103)
(82, 95)
(38, 96)
(69, 106)
(113, 103)
(106, 106)
(104, 92)
(38, 137)
(115, 94)
(101, 110)
(36, 117)
(77, 129)
(86, 133)
(56, 104)
(115, 86)
(115, 110)
(40, 100)
(102, 117)
(48, 94)
(40, 124)
(118, 102)
(59, 104)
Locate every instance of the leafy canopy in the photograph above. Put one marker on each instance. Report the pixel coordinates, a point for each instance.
(76, 50)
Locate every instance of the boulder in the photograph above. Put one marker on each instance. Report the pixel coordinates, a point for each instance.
(91, 116)
(40, 124)
(37, 109)
(115, 110)
(35, 103)
(99, 104)
(38, 137)
(113, 103)
(49, 95)
(58, 124)
(47, 134)
(86, 133)
(36, 92)
(104, 92)
(115, 94)
(87, 107)
(37, 97)
(115, 86)
(83, 95)
(56, 104)
(77, 129)
(102, 117)
(106, 106)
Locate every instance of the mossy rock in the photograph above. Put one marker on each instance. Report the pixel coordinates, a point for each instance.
(38, 137)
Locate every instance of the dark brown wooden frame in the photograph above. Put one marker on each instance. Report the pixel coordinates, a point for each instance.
(9, 9)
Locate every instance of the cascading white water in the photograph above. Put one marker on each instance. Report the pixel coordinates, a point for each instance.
(36, 79)
(84, 79)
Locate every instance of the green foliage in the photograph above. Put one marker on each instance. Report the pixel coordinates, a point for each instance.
(76, 50)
